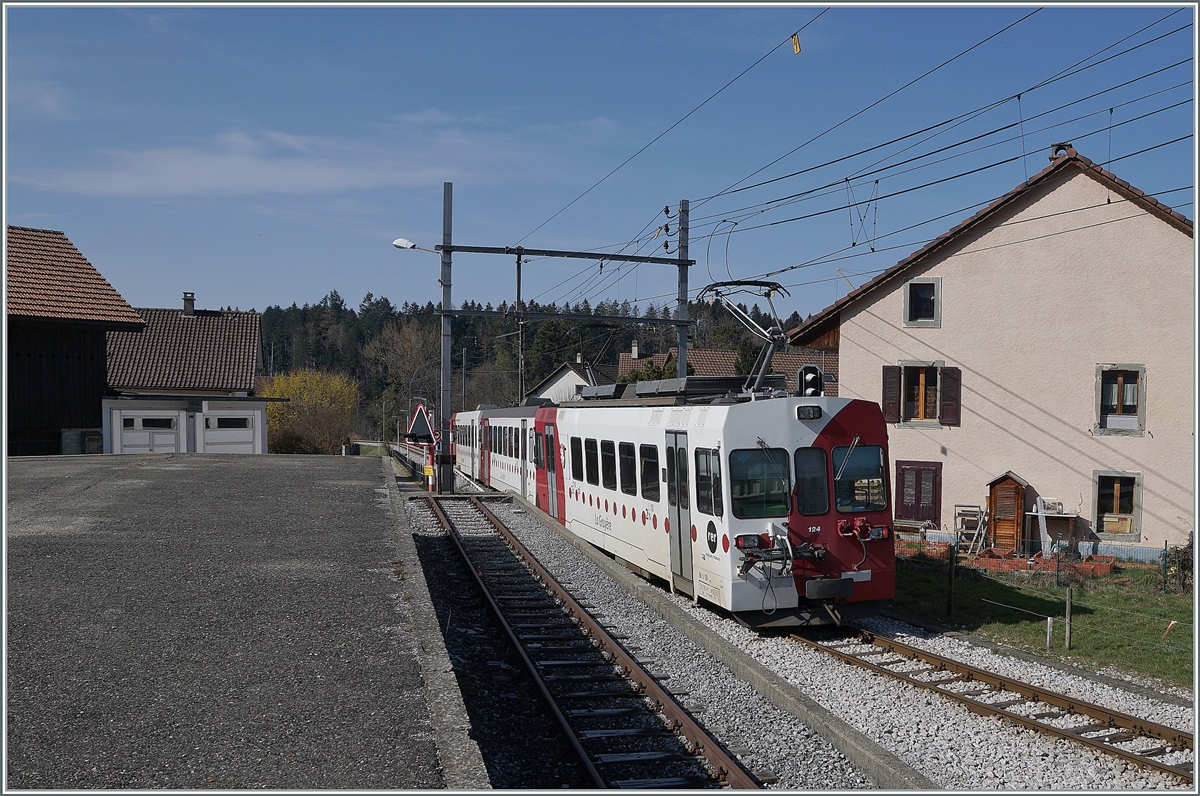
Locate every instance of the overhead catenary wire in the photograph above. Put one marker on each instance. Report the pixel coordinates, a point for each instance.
(989, 106)
(789, 198)
(858, 113)
(673, 126)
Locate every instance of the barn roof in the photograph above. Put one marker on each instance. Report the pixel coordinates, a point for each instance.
(50, 281)
(208, 350)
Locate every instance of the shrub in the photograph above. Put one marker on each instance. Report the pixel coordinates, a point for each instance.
(318, 416)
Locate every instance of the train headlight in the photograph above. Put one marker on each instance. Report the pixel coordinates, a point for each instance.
(808, 413)
(754, 541)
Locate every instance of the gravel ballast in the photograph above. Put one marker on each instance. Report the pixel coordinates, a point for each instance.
(950, 745)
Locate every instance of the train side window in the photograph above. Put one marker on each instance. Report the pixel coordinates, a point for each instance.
(608, 464)
(859, 482)
(577, 458)
(650, 476)
(683, 477)
(812, 482)
(628, 462)
(593, 461)
(538, 460)
(704, 496)
(703, 482)
(671, 476)
(758, 483)
(708, 482)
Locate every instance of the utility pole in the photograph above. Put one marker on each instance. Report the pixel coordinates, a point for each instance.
(681, 313)
(445, 468)
(520, 338)
(464, 403)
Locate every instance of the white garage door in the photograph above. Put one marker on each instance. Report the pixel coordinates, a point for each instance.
(231, 432)
(149, 433)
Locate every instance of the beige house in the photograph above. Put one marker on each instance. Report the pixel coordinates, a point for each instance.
(1048, 337)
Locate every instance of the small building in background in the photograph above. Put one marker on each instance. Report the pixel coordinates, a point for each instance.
(59, 309)
(567, 382)
(186, 384)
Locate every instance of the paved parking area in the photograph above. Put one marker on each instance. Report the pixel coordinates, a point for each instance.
(185, 621)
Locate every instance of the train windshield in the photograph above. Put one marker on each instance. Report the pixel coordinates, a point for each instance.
(812, 483)
(758, 483)
(859, 482)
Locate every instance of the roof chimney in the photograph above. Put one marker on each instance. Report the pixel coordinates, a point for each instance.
(633, 354)
(189, 303)
(1059, 150)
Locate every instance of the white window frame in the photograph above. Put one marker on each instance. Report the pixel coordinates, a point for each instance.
(933, 422)
(1136, 535)
(1098, 427)
(926, 323)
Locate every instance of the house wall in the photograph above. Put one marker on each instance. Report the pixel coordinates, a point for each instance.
(1027, 311)
(564, 388)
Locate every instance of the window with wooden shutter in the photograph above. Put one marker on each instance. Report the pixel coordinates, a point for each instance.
(891, 394)
(919, 492)
(949, 413)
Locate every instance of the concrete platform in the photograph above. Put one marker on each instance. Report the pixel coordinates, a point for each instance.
(212, 621)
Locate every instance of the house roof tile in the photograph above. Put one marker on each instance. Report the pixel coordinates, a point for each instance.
(210, 350)
(50, 280)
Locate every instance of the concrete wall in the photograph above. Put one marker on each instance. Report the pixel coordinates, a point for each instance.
(1028, 310)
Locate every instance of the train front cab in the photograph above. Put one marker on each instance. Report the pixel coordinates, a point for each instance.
(838, 535)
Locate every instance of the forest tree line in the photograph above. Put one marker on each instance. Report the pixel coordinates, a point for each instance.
(393, 352)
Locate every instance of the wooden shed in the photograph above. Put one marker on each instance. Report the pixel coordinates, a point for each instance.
(1006, 510)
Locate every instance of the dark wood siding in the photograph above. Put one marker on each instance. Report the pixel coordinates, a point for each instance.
(56, 379)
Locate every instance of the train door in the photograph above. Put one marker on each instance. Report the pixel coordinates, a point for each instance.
(551, 471)
(485, 450)
(523, 457)
(679, 511)
(474, 451)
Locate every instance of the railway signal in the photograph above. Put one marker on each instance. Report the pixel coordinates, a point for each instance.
(811, 381)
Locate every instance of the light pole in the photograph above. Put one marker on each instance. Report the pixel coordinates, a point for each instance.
(444, 465)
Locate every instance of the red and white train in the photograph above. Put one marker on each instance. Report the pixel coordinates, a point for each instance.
(773, 507)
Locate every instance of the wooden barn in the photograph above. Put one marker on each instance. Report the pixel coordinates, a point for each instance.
(59, 309)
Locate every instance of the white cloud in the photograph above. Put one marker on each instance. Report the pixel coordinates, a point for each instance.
(239, 162)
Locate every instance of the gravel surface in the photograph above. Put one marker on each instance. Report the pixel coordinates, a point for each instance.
(764, 737)
(952, 746)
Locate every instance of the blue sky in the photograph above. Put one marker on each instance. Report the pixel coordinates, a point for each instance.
(261, 156)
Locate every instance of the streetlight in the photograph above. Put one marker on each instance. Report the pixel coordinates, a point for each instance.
(405, 243)
(444, 463)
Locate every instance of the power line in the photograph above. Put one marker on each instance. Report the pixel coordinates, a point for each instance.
(676, 124)
(863, 173)
(869, 107)
(984, 108)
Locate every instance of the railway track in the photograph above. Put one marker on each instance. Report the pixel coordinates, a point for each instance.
(626, 728)
(1128, 737)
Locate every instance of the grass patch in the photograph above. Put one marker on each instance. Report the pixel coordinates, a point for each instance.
(1118, 620)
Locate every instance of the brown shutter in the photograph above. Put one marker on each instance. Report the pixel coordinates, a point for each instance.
(891, 394)
(950, 412)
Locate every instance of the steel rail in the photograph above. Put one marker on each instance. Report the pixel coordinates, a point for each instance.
(727, 768)
(551, 704)
(1124, 726)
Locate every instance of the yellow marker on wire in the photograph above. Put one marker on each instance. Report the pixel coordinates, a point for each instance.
(796, 43)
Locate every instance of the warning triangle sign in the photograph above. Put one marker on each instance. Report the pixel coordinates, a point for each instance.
(419, 430)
